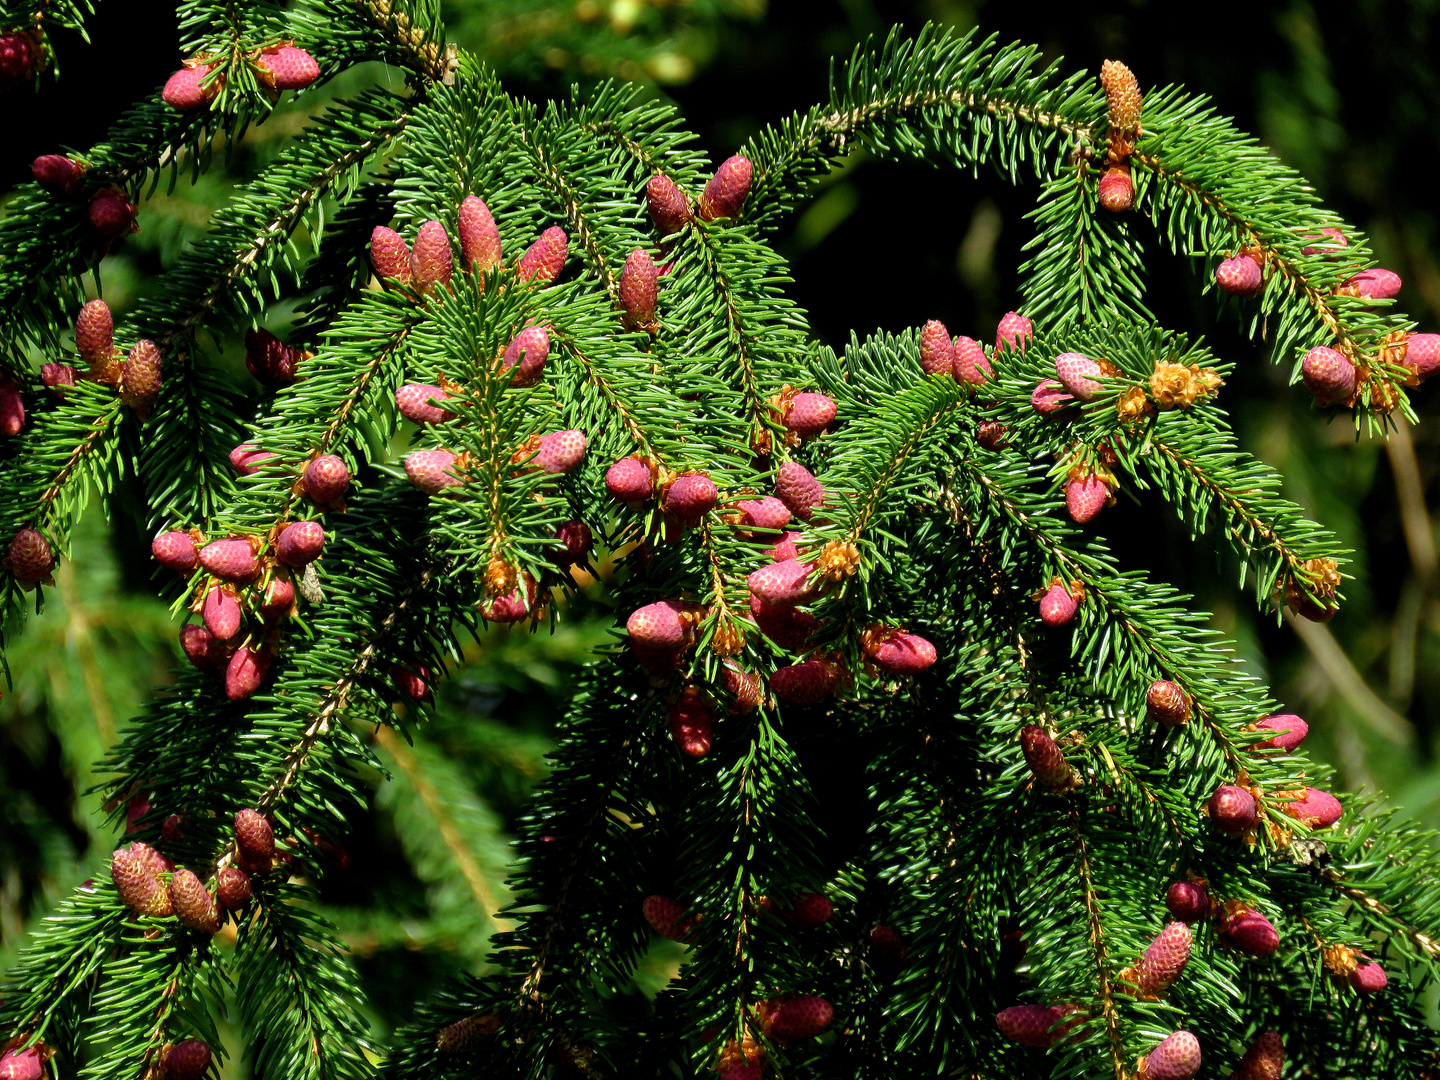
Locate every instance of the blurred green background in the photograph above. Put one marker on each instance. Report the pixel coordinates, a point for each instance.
(1345, 93)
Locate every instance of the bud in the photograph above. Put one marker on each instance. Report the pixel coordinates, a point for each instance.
(479, 235)
(389, 254)
(669, 209)
(639, 284)
(1046, 762)
(1116, 191)
(1328, 375)
(431, 260)
(1167, 704)
(1232, 810)
(545, 258)
(193, 904)
(725, 194)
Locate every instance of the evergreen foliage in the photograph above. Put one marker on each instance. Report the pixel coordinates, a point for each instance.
(1025, 812)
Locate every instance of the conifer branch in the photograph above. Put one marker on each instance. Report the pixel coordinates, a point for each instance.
(1095, 933)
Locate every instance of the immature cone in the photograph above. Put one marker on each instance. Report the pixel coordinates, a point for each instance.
(1058, 605)
(12, 410)
(560, 451)
(389, 254)
(660, 625)
(57, 377)
(692, 723)
(21, 1064)
(545, 258)
(139, 887)
(431, 261)
(1369, 978)
(1376, 284)
(515, 606)
(1046, 762)
(58, 173)
(140, 378)
(229, 560)
(1049, 397)
(971, 366)
(194, 906)
(417, 402)
(803, 684)
(766, 512)
(1328, 375)
(431, 470)
(725, 193)
(800, 1018)
(409, 683)
(290, 67)
(1164, 959)
(31, 559)
(300, 543)
(1167, 704)
(937, 352)
(639, 283)
(187, 1060)
(809, 911)
(221, 613)
(1188, 901)
(798, 489)
(1422, 355)
(479, 235)
(200, 647)
(1116, 191)
(466, 1034)
(741, 1061)
(254, 837)
(576, 540)
(629, 480)
(525, 356)
(245, 672)
(669, 209)
(746, 687)
(1333, 239)
(1232, 810)
(1291, 732)
(269, 359)
(784, 624)
(1085, 497)
(326, 479)
(786, 547)
(1031, 1025)
(232, 888)
(690, 498)
(279, 599)
(1317, 809)
(666, 917)
(1250, 933)
(787, 582)
(896, 652)
(886, 952)
(187, 88)
(1176, 1058)
(19, 56)
(1078, 373)
(111, 213)
(247, 458)
(809, 414)
(1239, 276)
(1264, 1060)
(1323, 579)
(1014, 331)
